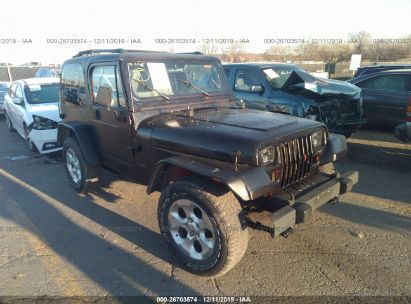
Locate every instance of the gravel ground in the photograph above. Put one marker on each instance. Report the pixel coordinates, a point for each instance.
(56, 242)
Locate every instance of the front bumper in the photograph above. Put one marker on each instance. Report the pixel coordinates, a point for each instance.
(300, 202)
(45, 140)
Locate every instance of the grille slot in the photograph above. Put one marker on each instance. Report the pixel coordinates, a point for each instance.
(297, 159)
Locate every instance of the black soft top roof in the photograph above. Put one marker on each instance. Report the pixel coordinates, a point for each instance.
(97, 55)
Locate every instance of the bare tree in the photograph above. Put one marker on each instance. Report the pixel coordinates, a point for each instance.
(208, 49)
(361, 41)
(234, 51)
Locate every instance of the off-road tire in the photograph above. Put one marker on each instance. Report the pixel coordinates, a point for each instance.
(90, 175)
(226, 215)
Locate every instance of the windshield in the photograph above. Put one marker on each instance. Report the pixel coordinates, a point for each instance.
(278, 75)
(42, 93)
(168, 79)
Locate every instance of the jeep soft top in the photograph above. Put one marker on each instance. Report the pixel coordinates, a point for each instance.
(167, 121)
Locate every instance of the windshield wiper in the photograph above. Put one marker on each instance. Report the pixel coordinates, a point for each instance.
(195, 87)
(158, 92)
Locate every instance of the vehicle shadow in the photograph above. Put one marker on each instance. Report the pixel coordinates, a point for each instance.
(118, 271)
(371, 133)
(370, 217)
(377, 165)
(389, 158)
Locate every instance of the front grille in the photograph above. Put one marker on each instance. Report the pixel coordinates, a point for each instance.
(297, 160)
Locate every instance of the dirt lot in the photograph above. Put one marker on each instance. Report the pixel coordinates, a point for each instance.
(56, 242)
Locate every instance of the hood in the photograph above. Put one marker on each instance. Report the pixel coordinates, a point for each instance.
(222, 133)
(302, 83)
(47, 110)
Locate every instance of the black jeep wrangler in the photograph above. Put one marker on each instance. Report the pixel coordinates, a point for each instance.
(167, 121)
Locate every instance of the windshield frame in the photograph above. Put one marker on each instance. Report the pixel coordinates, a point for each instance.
(177, 98)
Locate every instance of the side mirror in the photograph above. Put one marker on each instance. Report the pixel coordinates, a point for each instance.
(257, 89)
(18, 100)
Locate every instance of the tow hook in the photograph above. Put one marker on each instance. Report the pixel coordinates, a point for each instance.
(288, 232)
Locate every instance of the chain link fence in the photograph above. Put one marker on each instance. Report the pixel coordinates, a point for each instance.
(19, 72)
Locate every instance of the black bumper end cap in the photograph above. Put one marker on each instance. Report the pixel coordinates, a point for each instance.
(303, 212)
(347, 181)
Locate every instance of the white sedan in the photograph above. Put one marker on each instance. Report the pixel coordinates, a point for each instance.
(31, 108)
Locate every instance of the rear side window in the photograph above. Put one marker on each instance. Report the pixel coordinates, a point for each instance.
(106, 86)
(245, 79)
(386, 82)
(72, 84)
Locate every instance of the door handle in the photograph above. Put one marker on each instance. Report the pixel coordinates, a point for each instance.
(119, 113)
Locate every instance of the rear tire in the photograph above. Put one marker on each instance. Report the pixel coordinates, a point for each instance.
(206, 233)
(8, 122)
(82, 176)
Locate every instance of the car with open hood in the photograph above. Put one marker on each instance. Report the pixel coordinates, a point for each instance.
(287, 88)
(166, 120)
(31, 109)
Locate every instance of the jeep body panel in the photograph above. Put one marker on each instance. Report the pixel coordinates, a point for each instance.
(222, 134)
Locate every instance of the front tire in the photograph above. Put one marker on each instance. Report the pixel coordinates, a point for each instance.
(82, 176)
(9, 123)
(206, 233)
(30, 144)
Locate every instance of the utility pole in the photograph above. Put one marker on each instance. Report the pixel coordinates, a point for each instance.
(8, 72)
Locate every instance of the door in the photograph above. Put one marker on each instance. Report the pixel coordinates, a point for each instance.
(248, 87)
(111, 116)
(385, 98)
(17, 110)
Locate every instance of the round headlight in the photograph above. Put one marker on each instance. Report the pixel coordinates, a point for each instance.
(318, 139)
(267, 155)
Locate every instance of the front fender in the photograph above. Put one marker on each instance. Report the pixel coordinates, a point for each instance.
(336, 149)
(247, 185)
(84, 136)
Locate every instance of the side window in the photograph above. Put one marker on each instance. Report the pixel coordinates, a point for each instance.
(72, 84)
(245, 79)
(19, 91)
(386, 82)
(12, 91)
(106, 86)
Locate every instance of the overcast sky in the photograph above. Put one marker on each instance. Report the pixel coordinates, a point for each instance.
(255, 20)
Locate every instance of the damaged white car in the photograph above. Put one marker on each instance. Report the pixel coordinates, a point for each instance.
(31, 108)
